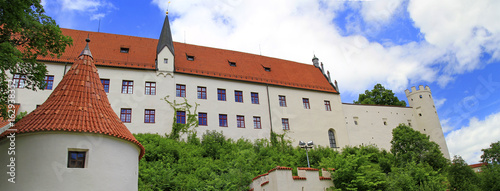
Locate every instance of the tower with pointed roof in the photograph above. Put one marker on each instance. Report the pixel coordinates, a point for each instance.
(73, 141)
(165, 50)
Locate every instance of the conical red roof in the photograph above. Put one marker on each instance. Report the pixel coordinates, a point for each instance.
(77, 104)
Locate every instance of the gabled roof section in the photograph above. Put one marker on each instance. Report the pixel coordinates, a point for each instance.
(213, 62)
(106, 50)
(77, 104)
(165, 37)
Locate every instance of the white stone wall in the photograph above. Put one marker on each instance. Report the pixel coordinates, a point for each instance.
(370, 128)
(41, 162)
(282, 179)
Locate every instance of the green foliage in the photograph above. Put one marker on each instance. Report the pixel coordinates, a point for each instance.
(191, 118)
(409, 145)
(25, 33)
(492, 154)
(379, 96)
(416, 177)
(357, 168)
(461, 176)
(490, 177)
(20, 116)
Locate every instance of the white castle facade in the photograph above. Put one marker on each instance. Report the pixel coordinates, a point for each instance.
(240, 94)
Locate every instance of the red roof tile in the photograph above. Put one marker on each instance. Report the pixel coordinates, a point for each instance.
(478, 165)
(279, 168)
(211, 62)
(305, 168)
(299, 178)
(77, 104)
(324, 178)
(264, 183)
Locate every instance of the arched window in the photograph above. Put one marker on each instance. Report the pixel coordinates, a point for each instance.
(331, 136)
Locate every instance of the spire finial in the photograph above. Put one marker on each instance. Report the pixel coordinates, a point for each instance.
(168, 5)
(86, 50)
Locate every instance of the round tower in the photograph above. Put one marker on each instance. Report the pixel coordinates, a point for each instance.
(425, 115)
(73, 141)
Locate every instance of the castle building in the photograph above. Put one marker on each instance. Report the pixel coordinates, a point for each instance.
(73, 141)
(242, 95)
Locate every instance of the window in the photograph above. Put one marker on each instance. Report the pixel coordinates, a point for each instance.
(256, 123)
(355, 120)
(255, 98)
(267, 69)
(189, 57)
(420, 96)
(180, 90)
(238, 96)
(76, 159)
(284, 122)
(149, 116)
(124, 50)
(282, 101)
(127, 87)
(331, 136)
(240, 121)
(221, 94)
(126, 115)
(105, 84)
(181, 117)
(222, 120)
(202, 119)
(232, 63)
(150, 88)
(19, 80)
(327, 106)
(202, 92)
(165, 61)
(49, 81)
(305, 102)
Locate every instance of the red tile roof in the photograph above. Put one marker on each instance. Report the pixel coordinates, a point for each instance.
(264, 183)
(299, 178)
(305, 168)
(279, 168)
(324, 178)
(478, 165)
(210, 62)
(77, 104)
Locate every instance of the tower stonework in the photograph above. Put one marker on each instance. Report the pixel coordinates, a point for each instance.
(427, 120)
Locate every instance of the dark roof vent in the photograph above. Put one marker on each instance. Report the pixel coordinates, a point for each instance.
(232, 63)
(124, 50)
(267, 69)
(189, 57)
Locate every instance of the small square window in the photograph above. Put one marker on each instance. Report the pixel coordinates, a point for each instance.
(221, 94)
(49, 81)
(181, 117)
(255, 98)
(202, 92)
(76, 159)
(127, 87)
(240, 121)
(256, 123)
(150, 88)
(180, 90)
(165, 61)
(126, 115)
(105, 84)
(238, 96)
(202, 119)
(222, 120)
(189, 57)
(124, 50)
(149, 116)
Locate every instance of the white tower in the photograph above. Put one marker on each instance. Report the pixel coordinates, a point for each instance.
(427, 120)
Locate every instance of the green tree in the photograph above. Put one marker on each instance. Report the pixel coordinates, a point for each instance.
(490, 175)
(25, 33)
(379, 96)
(461, 176)
(492, 154)
(409, 145)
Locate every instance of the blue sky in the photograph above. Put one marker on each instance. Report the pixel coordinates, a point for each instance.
(450, 45)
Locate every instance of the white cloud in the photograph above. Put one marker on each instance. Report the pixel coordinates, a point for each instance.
(469, 140)
(464, 28)
(66, 12)
(439, 102)
(295, 29)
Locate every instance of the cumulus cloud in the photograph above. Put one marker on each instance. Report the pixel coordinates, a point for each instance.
(68, 11)
(469, 140)
(439, 102)
(295, 29)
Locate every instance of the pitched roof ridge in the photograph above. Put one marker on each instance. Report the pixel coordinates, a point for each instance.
(77, 104)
